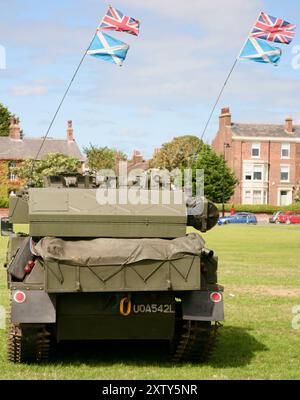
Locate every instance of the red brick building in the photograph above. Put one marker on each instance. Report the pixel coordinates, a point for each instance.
(265, 159)
(14, 149)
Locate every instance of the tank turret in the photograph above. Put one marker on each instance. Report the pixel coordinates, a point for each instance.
(75, 206)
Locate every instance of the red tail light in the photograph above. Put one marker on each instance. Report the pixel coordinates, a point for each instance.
(29, 266)
(19, 297)
(216, 297)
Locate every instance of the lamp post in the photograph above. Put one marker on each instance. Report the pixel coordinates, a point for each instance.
(225, 146)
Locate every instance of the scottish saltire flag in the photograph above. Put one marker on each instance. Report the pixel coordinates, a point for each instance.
(273, 29)
(116, 21)
(260, 51)
(108, 48)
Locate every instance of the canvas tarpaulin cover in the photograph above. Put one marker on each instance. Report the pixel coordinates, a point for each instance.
(110, 251)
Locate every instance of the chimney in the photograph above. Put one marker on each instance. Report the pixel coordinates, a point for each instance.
(289, 125)
(156, 151)
(14, 129)
(225, 118)
(137, 157)
(70, 131)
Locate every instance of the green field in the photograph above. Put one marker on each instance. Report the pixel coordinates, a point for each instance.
(259, 267)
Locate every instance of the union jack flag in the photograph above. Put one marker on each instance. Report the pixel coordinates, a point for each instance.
(116, 21)
(273, 29)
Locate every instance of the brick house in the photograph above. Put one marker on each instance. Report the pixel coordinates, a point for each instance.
(14, 149)
(137, 162)
(265, 159)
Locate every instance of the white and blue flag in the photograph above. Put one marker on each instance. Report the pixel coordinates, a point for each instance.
(108, 48)
(259, 50)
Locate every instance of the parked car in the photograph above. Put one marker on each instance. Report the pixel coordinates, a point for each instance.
(273, 219)
(282, 219)
(293, 219)
(238, 218)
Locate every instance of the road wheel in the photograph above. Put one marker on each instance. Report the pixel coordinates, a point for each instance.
(288, 222)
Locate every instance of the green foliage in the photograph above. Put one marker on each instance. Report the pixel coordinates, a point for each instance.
(51, 164)
(219, 180)
(4, 170)
(120, 155)
(177, 153)
(260, 208)
(297, 198)
(102, 158)
(5, 117)
(3, 202)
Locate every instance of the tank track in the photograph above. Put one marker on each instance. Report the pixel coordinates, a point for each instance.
(196, 341)
(27, 343)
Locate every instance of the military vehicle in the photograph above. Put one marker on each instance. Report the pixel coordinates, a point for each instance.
(90, 270)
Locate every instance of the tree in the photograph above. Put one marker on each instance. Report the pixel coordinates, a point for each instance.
(297, 198)
(5, 117)
(219, 180)
(177, 153)
(102, 158)
(51, 164)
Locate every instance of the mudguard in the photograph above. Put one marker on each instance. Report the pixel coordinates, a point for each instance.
(198, 306)
(38, 307)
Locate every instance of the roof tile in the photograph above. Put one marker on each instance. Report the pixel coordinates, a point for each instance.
(11, 149)
(261, 130)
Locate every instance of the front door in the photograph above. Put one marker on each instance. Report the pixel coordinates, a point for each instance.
(285, 197)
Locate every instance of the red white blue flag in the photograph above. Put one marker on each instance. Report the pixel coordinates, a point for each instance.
(273, 29)
(116, 21)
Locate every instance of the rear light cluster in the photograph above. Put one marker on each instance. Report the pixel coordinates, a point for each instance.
(28, 267)
(216, 297)
(19, 297)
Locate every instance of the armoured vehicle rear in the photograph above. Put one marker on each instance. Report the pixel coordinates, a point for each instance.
(92, 269)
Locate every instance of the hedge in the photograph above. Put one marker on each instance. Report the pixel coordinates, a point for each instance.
(3, 202)
(259, 208)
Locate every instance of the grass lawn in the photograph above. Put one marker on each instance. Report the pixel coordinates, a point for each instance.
(259, 267)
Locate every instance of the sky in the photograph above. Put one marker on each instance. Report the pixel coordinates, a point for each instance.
(167, 85)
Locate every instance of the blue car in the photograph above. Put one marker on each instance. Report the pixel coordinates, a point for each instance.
(238, 218)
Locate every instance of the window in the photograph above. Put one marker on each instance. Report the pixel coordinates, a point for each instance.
(285, 150)
(255, 151)
(284, 174)
(12, 175)
(257, 197)
(248, 172)
(247, 197)
(253, 172)
(257, 173)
